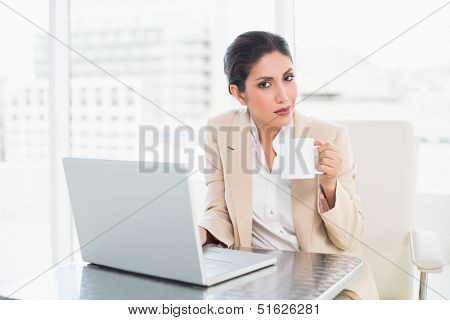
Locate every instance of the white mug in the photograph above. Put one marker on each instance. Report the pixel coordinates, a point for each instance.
(298, 159)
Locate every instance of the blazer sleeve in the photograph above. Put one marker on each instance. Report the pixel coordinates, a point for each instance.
(344, 223)
(216, 218)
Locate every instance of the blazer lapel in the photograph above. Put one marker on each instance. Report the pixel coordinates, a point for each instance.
(303, 191)
(240, 149)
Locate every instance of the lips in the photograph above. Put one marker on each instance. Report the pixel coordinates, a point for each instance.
(283, 111)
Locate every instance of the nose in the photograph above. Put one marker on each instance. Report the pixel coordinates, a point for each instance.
(281, 95)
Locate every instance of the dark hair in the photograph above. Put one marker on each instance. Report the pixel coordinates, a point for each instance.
(246, 50)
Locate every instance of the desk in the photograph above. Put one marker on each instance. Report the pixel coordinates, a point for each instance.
(299, 276)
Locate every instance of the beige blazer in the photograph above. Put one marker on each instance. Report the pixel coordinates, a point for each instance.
(228, 215)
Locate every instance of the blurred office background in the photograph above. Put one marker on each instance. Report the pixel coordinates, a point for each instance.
(126, 56)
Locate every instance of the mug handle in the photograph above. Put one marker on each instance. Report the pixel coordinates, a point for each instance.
(317, 172)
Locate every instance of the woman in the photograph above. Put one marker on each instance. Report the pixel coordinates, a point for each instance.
(256, 208)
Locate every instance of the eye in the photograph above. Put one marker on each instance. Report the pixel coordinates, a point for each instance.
(264, 84)
(289, 77)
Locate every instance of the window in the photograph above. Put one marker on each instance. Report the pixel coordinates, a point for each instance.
(149, 46)
(408, 79)
(114, 96)
(83, 96)
(24, 159)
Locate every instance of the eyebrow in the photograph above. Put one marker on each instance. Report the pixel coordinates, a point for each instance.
(270, 78)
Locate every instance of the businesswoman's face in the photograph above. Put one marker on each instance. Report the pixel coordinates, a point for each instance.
(270, 91)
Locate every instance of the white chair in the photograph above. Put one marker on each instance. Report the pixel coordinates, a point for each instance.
(386, 176)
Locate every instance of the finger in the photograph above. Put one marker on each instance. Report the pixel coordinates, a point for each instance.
(329, 152)
(330, 155)
(326, 167)
(327, 146)
(329, 162)
(328, 170)
(337, 160)
(318, 142)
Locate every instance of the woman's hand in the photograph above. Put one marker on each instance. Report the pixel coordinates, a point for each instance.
(330, 162)
(203, 235)
(207, 238)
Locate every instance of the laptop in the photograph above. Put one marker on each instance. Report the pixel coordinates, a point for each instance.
(137, 217)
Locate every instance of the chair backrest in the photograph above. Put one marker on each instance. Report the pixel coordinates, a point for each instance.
(385, 154)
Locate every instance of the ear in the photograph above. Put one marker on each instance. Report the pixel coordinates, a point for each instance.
(240, 96)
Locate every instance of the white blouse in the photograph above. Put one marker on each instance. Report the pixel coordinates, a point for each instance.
(273, 226)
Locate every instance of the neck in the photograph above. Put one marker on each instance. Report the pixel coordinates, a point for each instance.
(266, 133)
